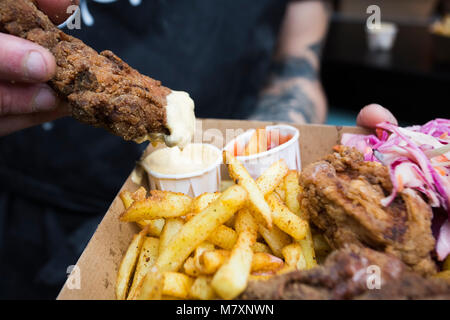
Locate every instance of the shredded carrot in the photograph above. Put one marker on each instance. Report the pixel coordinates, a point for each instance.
(379, 132)
(400, 183)
(441, 158)
(337, 148)
(444, 135)
(441, 171)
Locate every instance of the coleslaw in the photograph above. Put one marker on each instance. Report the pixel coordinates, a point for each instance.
(418, 158)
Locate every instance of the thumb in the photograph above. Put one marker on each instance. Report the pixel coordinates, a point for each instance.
(373, 114)
(24, 61)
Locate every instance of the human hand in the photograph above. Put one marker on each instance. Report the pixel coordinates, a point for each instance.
(373, 114)
(25, 98)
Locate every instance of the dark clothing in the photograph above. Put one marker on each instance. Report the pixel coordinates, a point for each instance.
(56, 184)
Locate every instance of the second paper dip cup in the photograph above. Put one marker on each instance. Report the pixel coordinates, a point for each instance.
(191, 183)
(257, 163)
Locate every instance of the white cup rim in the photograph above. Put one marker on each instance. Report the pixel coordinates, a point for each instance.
(387, 27)
(278, 148)
(190, 174)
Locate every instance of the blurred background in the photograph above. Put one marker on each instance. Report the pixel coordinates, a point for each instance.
(412, 79)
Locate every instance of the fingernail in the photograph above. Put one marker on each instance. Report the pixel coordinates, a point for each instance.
(35, 66)
(389, 116)
(44, 100)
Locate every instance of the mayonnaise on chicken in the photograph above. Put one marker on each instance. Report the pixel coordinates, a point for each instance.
(194, 157)
(180, 118)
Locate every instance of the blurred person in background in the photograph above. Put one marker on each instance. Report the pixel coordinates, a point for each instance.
(237, 59)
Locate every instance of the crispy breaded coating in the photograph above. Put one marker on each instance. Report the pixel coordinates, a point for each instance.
(345, 275)
(342, 195)
(102, 90)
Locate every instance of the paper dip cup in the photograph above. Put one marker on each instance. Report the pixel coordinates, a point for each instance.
(191, 183)
(381, 38)
(257, 163)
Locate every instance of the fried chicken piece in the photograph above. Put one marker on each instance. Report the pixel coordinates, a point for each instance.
(346, 275)
(342, 195)
(102, 90)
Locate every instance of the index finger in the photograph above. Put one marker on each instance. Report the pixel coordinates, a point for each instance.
(56, 9)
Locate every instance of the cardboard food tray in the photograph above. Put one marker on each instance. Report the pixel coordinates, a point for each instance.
(97, 267)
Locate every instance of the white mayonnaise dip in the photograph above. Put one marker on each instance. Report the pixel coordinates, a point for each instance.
(180, 119)
(194, 157)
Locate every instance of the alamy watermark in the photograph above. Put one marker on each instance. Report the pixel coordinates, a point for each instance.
(74, 21)
(374, 20)
(373, 277)
(73, 277)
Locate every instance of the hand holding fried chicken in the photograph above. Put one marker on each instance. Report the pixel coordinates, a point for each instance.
(101, 89)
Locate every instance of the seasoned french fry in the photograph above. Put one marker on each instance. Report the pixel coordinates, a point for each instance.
(154, 226)
(199, 228)
(225, 184)
(139, 194)
(281, 215)
(279, 191)
(261, 134)
(203, 201)
(194, 232)
(151, 286)
(257, 202)
(147, 258)
(171, 298)
(223, 237)
(257, 142)
(252, 145)
(126, 198)
(284, 219)
(211, 261)
(190, 268)
(201, 289)
(128, 265)
(160, 204)
(261, 247)
(292, 190)
(272, 177)
(264, 262)
(170, 230)
(232, 277)
(177, 284)
(308, 250)
(293, 258)
(230, 222)
(260, 277)
(203, 247)
(275, 238)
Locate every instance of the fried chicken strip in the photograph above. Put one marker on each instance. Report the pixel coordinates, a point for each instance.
(342, 195)
(349, 273)
(103, 90)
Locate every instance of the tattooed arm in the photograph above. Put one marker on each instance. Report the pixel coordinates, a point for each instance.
(294, 93)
